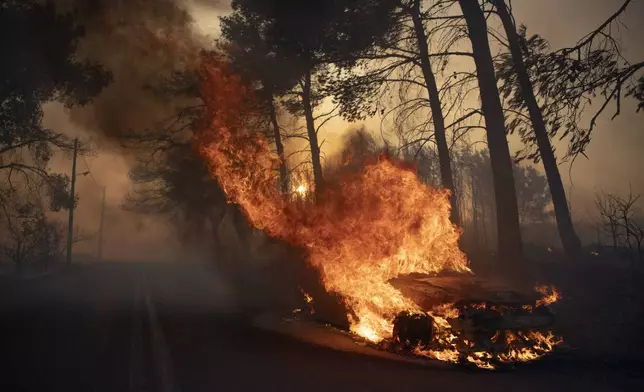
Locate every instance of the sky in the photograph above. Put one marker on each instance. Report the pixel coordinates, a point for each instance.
(615, 153)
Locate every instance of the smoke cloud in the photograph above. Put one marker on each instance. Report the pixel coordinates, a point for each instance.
(141, 43)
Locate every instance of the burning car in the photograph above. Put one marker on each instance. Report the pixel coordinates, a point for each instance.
(474, 320)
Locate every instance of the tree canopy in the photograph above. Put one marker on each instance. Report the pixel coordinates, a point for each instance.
(39, 65)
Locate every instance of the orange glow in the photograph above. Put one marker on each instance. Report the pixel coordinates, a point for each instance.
(369, 228)
(301, 189)
(550, 295)
(361, 231)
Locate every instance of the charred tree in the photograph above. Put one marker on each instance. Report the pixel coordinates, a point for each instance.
(507, 213)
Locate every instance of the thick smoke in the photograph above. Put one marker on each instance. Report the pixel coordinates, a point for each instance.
(141, 43)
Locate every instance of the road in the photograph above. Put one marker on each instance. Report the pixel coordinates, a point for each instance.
(169, 327)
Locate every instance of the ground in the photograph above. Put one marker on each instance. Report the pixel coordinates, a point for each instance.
(170, 327)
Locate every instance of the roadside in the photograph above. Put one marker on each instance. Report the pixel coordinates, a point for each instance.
(129, 327)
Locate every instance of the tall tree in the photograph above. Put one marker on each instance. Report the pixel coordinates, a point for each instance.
(311, 36)
(569, 239)
(400, 59)
(532, 195)
(574, 85)
(171, 176)
(296, 34)
(252, 56)
(509, 233)
(435, 106)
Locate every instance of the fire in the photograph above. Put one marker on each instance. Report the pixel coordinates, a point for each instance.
(309, 301)
(307, 296)
(301, 190)
(361, 231)
(550, 295)
(521, 351)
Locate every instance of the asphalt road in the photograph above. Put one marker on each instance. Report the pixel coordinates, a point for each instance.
(161, 327)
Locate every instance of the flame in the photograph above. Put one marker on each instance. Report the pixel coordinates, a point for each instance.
(481, 359)
(301, 190)
(512, 346)
(361, 231)
(367, 229)
(309, 301)
(307, 296)
(550, 295)
(519, 351)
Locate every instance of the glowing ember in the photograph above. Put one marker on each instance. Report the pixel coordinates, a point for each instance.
(307, 296)
(363, 230)
(309, 300)
(550, 295)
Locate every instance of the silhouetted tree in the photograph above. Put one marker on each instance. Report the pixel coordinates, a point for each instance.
(251, 56)
(170, 176)
(39, 65)
(509, 233)
(575, 85)
(533, 196)
(401, 58)
(310, 36)
(526, 97)
(617, 217)
(27, 234)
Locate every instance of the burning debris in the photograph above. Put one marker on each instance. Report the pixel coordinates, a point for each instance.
(362, 232)
(309, 301)
(413, 329)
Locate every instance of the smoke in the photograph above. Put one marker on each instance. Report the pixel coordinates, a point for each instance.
(142, 43)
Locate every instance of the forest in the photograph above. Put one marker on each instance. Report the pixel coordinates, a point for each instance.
(440, 84)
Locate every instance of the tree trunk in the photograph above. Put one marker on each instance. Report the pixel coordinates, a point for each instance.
(312, 133)
(437, 112)
(507, 214)
(280, 147)
(475, 216)
(569, 239)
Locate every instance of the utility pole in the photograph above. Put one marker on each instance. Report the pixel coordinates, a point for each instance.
(72, 201)
(100, 228)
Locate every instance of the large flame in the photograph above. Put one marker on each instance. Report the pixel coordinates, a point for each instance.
(362, 230)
